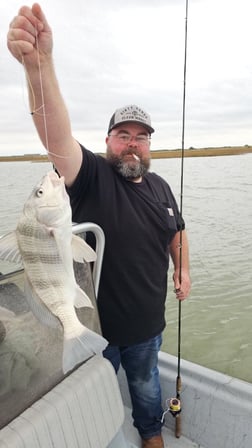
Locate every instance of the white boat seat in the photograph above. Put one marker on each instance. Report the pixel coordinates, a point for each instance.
(85, 410)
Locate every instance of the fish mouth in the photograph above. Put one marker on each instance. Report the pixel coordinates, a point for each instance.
(55, 178)
(48, 206)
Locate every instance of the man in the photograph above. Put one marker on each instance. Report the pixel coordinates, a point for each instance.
(136, 210)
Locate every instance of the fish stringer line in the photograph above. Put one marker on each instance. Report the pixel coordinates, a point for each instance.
(41, 110)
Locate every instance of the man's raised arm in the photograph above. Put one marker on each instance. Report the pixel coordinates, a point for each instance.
(30, 42)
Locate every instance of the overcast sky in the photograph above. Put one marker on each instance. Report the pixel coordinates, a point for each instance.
(111, 53)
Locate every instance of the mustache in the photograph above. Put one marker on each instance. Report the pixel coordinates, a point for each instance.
(130, 152)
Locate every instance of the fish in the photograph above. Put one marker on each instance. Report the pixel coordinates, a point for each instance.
(44, 244)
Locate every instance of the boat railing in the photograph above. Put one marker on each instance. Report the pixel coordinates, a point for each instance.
(100, 245)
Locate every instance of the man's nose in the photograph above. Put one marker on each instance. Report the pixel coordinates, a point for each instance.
(133, 141)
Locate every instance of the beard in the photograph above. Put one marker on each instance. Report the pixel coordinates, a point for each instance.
(129, 169)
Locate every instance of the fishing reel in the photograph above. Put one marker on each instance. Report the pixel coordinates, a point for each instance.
(173, 406)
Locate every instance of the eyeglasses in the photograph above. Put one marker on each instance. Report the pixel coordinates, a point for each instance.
(126, 138)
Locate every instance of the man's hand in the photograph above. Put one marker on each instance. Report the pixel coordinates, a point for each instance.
(182, 289)
(30, 36)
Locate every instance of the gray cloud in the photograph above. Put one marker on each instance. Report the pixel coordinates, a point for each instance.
(108, 54)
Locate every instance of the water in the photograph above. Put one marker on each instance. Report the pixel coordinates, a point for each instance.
(16, 182)
(216, 319)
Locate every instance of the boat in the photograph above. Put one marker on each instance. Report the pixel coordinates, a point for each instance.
(90, 407)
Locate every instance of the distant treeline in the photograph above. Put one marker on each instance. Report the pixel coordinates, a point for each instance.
(155, 154)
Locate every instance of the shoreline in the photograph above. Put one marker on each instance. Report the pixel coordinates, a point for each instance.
(155, 154)
(202, 152)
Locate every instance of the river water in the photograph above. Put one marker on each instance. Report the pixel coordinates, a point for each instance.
(217, 197)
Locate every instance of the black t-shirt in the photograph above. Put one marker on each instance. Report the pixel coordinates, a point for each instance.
(139, 220)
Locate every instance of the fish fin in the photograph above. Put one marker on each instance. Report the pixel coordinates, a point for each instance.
(9, 249)
(81, 250)
(82, 299)
(38, 308)
(81, 348)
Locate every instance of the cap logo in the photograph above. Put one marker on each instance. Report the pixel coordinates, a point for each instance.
(131, 113)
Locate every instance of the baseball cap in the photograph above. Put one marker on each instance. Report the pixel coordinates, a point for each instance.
(130, 114)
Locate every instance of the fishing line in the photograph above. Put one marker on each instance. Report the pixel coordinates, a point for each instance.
(36, 110)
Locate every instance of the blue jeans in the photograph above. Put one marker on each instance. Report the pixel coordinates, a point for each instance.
(140, 364)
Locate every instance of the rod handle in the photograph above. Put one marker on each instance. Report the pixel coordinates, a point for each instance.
(178, 387)
(178, 421)
(178, 426)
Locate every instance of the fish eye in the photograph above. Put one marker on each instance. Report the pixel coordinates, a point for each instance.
(39, 192)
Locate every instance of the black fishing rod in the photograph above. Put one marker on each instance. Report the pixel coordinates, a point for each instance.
(178, 381)
(174, 404)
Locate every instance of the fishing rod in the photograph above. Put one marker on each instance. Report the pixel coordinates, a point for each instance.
(174, 404)
(178, 380)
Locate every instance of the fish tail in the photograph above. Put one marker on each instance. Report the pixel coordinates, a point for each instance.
(82, 347)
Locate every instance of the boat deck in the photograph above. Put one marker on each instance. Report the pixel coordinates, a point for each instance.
(170, 440)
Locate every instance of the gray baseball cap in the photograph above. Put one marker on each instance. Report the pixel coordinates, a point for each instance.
(130, 114)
